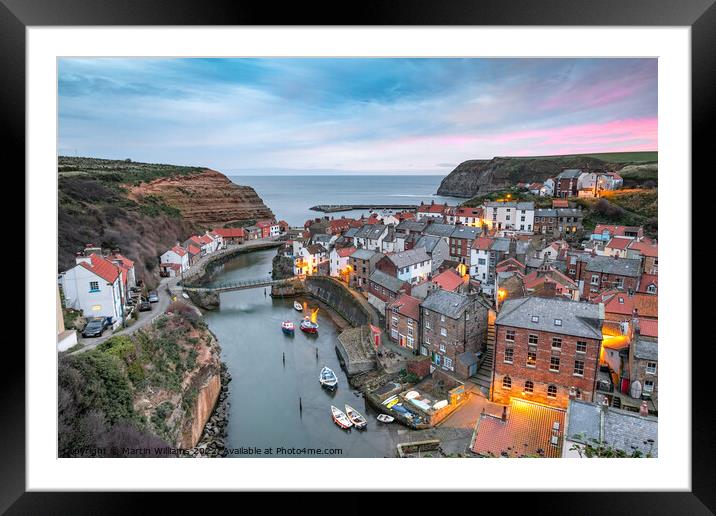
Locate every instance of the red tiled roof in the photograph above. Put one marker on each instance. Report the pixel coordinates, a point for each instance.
(179, 250)
(646, 280)
(647, 305)
(619, 243)
(535, 278)
(649, 327)
(509, 263)
(339, 224)
(206, 239)
(527, 431)
(102, 268)
(614, 230)
(345, 251)
(645, 248)
(405, 215)
(432, 208)
(448, 280)
(230, 232)
(482, 243)
(560, 203)
(194, 250)
(125, 261)
(408, 306)
(264, 224)
(464, 211)
(196, 239)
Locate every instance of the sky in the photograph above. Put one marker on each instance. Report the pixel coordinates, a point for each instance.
(352, 115)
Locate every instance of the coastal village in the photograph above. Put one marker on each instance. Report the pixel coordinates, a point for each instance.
(538, 334)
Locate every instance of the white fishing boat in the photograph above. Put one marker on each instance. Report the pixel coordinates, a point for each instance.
(185, 295)
(298, 306)
(385, 418)
(340, 418)
(356, 418)
(327, 378)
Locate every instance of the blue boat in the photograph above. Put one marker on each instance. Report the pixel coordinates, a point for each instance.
(288, 327)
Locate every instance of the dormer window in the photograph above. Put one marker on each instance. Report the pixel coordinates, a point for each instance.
(535, 318)
(558, 322)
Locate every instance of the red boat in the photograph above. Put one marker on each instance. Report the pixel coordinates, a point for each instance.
(309, 327)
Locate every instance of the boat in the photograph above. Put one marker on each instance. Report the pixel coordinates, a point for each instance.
(185, 295)
(327, 378)
(288, 327)
(340, 418)
(356, 418)
(298, 306)
(309, 327)
(385, 418)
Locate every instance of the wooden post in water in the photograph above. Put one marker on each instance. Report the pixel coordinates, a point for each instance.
(300, 406)
(316, 353)
(284, 359)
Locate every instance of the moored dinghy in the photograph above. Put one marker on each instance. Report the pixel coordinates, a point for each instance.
(327, 378)
(356, 418)
(340, 418)
(298, 306)
(385, 418)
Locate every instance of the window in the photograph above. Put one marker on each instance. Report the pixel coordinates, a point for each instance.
(443, 332)
(595, 279)
(556, 343)
(427, 324)
(532, 357)
(507, 382)
(648, 386)
(554, 364)
(651, 289)
(94, 286)
(448, 363)
(529, 387)
(581, 346)
(510, 335)
(558, 322)
(411, 341)
(424, 350)
(532, 338)
(509, 355)
(410, 323)
(394, 333)
(395, 321)
(442, 318)
(651, 368)
(552, 391)
(579, 367)
(535, 318)
(442, 347)
(572, 271)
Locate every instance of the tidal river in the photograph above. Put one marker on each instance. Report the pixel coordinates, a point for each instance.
(264, 393)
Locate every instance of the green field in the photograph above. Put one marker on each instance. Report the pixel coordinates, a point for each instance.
(611, 157)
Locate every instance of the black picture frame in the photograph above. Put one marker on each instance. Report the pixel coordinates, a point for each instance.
(700, 15)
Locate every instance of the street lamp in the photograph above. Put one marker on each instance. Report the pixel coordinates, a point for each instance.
(501, 295)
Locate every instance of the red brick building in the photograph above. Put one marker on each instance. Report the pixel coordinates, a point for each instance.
(594, 274)
(402, 322)
(566, 183)
(546, 350)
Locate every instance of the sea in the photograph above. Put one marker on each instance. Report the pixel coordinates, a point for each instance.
(290, 197)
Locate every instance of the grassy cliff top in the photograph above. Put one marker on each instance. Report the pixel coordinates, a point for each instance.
(119, 171)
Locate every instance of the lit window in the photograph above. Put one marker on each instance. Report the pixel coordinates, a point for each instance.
(509, 355)
(529, 387)
(552, 391)
(579, 368)
(507, 382)
(532, 357)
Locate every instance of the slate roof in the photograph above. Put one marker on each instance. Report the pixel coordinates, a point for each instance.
(446, 303)
(623, 429)
(427, 242)
(411, 225)
(409, 257)
(646, 349)
(363, 254)
(578, 319)
(315, 249)
(467, 232)
(610, 265)
(500, 244)
(528, 431)
(545, 212)
(439, 229)
(386, 280)
(350, 233)
(511, 204)
(570, 173)
(370, 231)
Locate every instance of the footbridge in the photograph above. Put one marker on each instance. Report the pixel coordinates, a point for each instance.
(239, 285)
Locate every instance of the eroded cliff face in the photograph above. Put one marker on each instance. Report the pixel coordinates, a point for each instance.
(478, 177)
(207, 199)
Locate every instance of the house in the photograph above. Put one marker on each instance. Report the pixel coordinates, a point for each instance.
(550, 282)
(431, 211)
(461, 240)
(194, 254)
(648, 284)
(362, 263)
(547, 189)
(597, 181)
(516, 216)
(452, 324)
(439, 230)
(605, 232)
(338, 226)
(409, 227)
(283, 227)
(620, 306)
(231, 236)
(253, 232)
(595, 274)
(546, 350)
(436, 248)
(412, 266)
(268, 227)
(534, 188)
(525, 429)
(622, 430)
(566, 182)
(558, 221)
(94, 286)
(383, 289)
(644, 364)
(175, 261)
(126, 264)
(370, 236)
(480, 259)
(390, 244)
(469, 216)
(311, 259)
(402, 322)
(648, 252)
(339, 262)
(617, 246)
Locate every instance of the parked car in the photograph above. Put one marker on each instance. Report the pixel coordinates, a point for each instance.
(145, 306)
(96, 327)
(153, 296)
